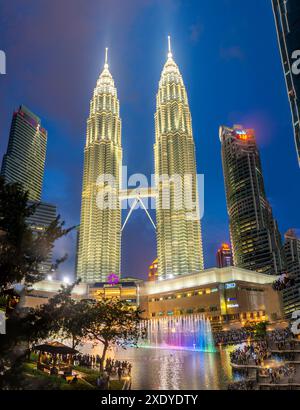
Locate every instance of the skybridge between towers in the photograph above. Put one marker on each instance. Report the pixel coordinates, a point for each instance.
(137, 195)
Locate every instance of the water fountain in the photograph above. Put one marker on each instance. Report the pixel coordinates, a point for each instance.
(191, 332)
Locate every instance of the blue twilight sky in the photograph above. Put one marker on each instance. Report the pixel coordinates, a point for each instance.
(228, 55)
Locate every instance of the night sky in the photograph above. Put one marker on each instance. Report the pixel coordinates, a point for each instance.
(228, 55)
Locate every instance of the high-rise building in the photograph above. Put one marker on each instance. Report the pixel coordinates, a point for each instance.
(153, 271)
(44, 215)
(100, 225)
(287, 18)
(24, 160)
(291, 296)
(255, 238)
(179, 242)
(224, 256)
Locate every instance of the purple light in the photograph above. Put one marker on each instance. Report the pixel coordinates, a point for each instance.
(113, 279)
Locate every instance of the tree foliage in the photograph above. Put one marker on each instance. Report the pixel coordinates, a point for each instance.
(112, 322)
(260, 330)
(21, 253)
(22, 250)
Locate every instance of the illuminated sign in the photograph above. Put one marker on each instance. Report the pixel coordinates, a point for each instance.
(225, 247)
(232, 306)
(243, 135)
(113, 279)
(230, 285)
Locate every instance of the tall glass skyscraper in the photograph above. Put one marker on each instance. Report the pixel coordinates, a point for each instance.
(99, 244)
(255, 238)
(24, 160)
(44, 215)
(179, 241)
(287, 18)
(291, 296)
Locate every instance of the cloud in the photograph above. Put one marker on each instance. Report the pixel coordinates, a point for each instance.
(232, 53)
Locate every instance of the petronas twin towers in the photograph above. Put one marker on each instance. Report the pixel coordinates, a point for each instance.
(179, 242)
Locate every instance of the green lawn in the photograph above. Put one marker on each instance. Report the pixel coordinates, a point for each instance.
(91, 377)
(34, 379)
(116, 385)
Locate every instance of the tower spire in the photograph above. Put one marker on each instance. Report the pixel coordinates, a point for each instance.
(106, 58)
(170, 55)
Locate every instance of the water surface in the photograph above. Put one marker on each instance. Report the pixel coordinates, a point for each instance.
(158, 369)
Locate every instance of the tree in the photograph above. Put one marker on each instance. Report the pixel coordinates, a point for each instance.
(21, 250)
(72, 315)
(261, 330)
(21, 253)
(24, 330)
(112, 322)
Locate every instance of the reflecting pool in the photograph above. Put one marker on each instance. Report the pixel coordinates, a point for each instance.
(176, 369)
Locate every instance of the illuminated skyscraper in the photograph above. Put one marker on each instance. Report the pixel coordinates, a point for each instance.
(255, 238)
(44, 215)
(224, 256)
(179, 242)
(153, 271)
(24, 160)
(287, 18)
(291, 296)
(100, 226)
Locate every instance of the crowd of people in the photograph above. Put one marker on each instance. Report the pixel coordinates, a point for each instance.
(87, 360)
(278, 373)
(260, 353)
(235, 336)
(242, 385)
(255, 354)
(112, 367)
(281, 338)
(117, 367)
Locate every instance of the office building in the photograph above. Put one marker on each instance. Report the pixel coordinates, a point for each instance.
(179, 240)
(291, 296)
(255, 238)
(224, 256)
(153, 271)
(44, 215)
(287, 18)
(99, 245)
(24, 160)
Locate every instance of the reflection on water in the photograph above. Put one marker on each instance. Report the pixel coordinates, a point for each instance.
(177, 369)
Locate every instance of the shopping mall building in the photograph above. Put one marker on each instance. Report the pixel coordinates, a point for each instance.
(227, 296)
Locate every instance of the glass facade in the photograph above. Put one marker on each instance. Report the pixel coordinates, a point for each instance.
(291, 296)
(24, 160)
(255, 238)
(287, 17)
(179, 238)
(99, 242)
(44, 215)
